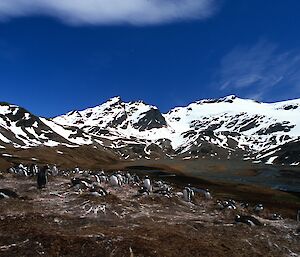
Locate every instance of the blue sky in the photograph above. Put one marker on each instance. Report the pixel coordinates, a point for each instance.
(56, 56)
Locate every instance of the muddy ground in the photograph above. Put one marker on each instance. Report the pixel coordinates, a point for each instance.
(60, 221)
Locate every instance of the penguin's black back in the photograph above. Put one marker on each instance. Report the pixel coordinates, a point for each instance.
(42, 177)
(247, 219)
(9, 193)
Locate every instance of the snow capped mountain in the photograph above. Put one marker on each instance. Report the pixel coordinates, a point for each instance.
(225, 128)
(20, 128)
(229, 127)
(235, 123)
(115, 114)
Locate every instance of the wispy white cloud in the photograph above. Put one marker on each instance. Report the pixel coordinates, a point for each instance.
(93, 12)
(258, 69)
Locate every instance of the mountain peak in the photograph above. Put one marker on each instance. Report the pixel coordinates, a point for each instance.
(115, 99)
(229, 97)
(226, 99)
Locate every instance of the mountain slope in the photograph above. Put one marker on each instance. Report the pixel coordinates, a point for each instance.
(225, 128)
(20, 128)
(229, 127)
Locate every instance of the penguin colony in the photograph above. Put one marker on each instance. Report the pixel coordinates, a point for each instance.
(100, 184)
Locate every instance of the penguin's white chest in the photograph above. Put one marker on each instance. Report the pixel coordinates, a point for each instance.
(208, 195)
(4, 195)
(120, 178)
(147, 184)
(114, 181)
(186, 195)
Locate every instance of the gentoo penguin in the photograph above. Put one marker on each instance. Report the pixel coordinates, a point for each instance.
(258, 208)
(120, 178)
(12, 170)
(147, 183)
(34, 169)
(158, 184)
(220, 205)
(102, 177)
(245, 205)
(98, 191)
(128, 178)
(143, 191)
(249, 220)
(42, 177)
(276, 216)
(81, 183)
(136, 178)
(230, 205)
(22, 170)
(231, 201)
(7, 193)
(164, 190)
(187, 194)
(207, 194)
(54, 170)
(113, 180)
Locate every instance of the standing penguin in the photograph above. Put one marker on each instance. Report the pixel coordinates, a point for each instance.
(135, 178)
(54, 170)
(113, 180)
(120, 178)
(147, 184)
(207, 194)
(42, 177)
(76, 170)
(102, 177)
(128, 178)
(188, 194)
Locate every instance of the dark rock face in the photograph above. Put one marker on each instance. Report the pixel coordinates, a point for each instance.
(151, 119)
(275, 128)
(22, 117)
(165, 144)
(153, 148)
(78, 133)
(290, 107)
(98, 131)
(224, 99)
(288, 153)
(118, 121)
(75, 113)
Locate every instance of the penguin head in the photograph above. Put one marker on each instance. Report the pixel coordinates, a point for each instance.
(259, 207)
